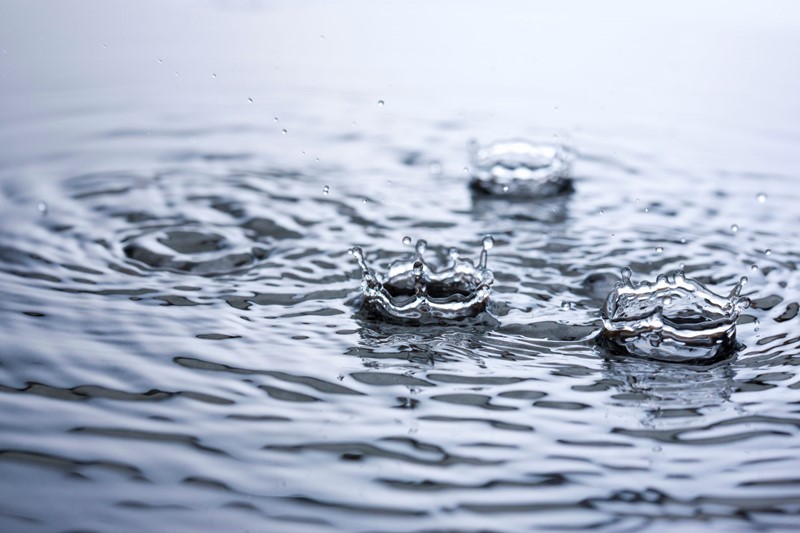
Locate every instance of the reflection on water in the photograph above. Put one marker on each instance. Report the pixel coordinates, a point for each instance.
(181, 342)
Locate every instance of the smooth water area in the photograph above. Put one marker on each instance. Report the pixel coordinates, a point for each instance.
(181, 347)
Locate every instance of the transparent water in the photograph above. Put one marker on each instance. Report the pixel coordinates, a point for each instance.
(179, 344)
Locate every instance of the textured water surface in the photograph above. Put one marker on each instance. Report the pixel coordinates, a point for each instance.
(181, 347)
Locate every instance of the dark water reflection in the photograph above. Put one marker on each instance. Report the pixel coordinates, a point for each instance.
(180, 346)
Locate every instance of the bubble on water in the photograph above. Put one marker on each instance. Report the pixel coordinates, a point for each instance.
(734, 228)
(768, 251)
(761, 198)
(42, 207)
(674, 319)
(407, 240)
(423, 290)
(326, 189)
(659, 249)
(381, 103)
(520, 168)
(284, 132)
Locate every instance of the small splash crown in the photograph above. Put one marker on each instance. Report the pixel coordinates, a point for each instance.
(417, 291)
(520, 169)
(673, 319)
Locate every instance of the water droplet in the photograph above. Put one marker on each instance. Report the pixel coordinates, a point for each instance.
(364, 200)
(753, 267)
(734, 228)
(275, 119)
(407, 240)
(160, 61)
(768, 251)
(322, 37)
(488, 242)
(646, 209)
(626, 274)
(683, 241)
(213, 75)
(177, 73)
(761, 197)
(381, 103)
(659, 249)
(566, 306)
(613, 234)
(316, 159)
(250, 100)
(326, 189)
(284, 132)
(42, 208)
(505, 188)
(466, 170)
(602, 212)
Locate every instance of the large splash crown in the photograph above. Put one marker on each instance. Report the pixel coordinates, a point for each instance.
(673, 319)
(423, 290)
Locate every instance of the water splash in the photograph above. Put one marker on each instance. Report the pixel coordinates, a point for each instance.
(428, 290)
(519, 168)
(674, 319)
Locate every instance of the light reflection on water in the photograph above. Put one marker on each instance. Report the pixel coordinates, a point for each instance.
(180, 343)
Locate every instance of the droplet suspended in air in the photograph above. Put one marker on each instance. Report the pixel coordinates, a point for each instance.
(734, 228)
(275, 119)
(754, 267)
(761, 197)
(407, 240)
(326, 190)
(213, 75)
(284, 132)
(42, 208)
(488, 242)
(381, 103)
(768, 251)
(659, 249)
(250, 100)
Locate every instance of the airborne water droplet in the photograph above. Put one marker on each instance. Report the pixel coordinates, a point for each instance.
(284, 132)
(488, 242)
(407, 240)
(213, 75)
(753, 267)
(42, 207)
(326, 189)
(761, 197)
(659, 249)
(768, 252)
(734, 228)
(250, 100)
(275, 119)
(381, 103)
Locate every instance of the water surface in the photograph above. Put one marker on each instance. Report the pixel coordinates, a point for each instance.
(180, 348)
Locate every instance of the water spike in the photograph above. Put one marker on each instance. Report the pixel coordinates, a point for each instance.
(366, 272)
(626, 276)
(661, 278)
(679, 275)
(419, 278)
(422, 245)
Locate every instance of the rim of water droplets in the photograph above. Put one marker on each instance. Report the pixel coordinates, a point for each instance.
(638, 310)
(520, 168)
(403, 292)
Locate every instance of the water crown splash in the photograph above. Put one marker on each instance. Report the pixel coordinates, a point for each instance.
(416, 291)
(674, 319)
(518, 168)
